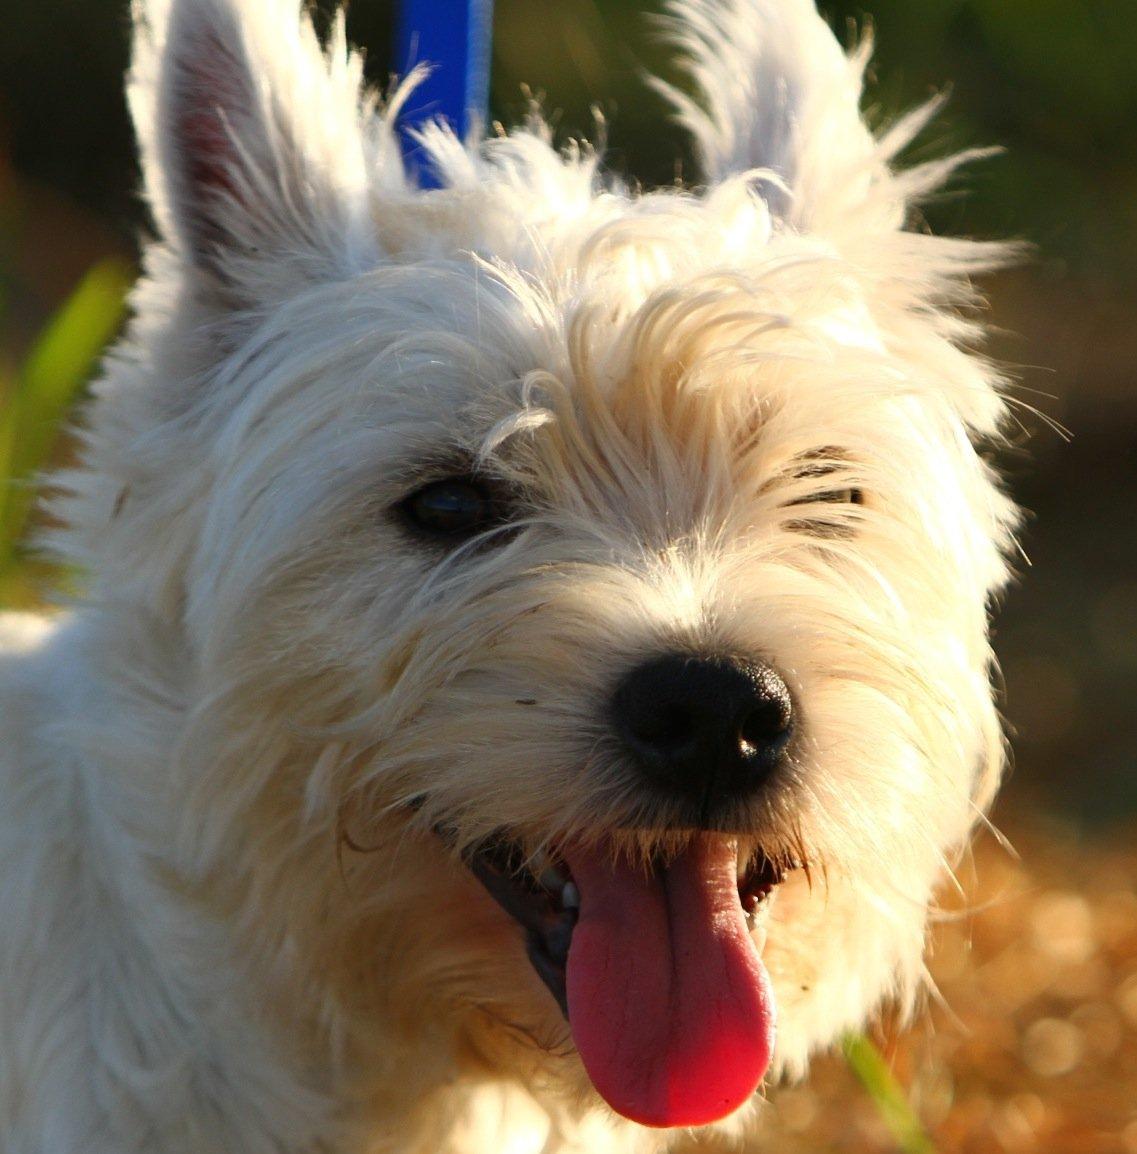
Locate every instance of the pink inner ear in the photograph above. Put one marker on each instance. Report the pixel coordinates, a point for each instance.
(208, 154)
(209, 99)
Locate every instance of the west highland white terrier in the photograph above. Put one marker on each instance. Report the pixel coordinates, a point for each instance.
(533, 668)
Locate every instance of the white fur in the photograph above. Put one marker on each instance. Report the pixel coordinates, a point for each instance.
(198, 955)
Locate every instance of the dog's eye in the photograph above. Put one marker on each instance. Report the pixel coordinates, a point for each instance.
(826, 468)
(453, 508)
(846, 496)
(828, 463)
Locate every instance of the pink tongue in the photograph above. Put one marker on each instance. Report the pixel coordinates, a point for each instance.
(669, 1003)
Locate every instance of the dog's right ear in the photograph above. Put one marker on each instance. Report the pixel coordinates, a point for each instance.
(259, 151)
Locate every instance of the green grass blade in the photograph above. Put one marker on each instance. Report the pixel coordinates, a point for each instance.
(46, 385)
(63, 358)
(7, 424)
(871, 1070)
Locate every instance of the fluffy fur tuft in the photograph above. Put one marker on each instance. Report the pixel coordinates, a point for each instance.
(244, 775)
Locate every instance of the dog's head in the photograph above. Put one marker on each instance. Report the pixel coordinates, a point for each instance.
(581, 595)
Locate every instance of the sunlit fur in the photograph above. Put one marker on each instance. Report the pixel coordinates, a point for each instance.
(226, 923)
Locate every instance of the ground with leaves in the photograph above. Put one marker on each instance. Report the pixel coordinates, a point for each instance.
(1032, 1046)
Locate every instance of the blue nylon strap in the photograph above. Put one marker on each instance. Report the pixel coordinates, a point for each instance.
(454, 37)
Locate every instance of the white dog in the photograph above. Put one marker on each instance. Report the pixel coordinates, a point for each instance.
(532, 670)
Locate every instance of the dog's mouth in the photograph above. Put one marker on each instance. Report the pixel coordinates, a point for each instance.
(540, 895)
(654, 967)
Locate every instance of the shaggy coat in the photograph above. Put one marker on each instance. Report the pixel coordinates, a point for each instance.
(245, 775)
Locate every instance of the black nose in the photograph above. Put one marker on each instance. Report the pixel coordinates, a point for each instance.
(710, 728)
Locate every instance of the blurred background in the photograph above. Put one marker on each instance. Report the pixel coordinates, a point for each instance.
(1039, 1049)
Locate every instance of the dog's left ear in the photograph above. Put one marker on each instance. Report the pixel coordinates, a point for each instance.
(257, 147)
(775, 92)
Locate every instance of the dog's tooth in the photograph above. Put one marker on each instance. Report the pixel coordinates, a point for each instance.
(758, 916)
(547, 871)
(570, 896)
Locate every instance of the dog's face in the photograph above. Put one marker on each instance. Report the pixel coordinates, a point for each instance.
(583, 595)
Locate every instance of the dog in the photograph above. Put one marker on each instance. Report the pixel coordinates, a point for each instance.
(531, 669)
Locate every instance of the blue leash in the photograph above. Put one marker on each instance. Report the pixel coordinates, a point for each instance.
(454, 37)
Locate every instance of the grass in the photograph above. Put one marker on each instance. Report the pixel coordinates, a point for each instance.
(868, 1065)
(37, 397)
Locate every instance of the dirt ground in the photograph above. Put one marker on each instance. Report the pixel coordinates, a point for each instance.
(1033, 1043)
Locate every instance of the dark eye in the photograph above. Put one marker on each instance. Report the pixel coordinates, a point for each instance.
(453, 508)
(825, 469)
(846, 496)
(827, 463)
